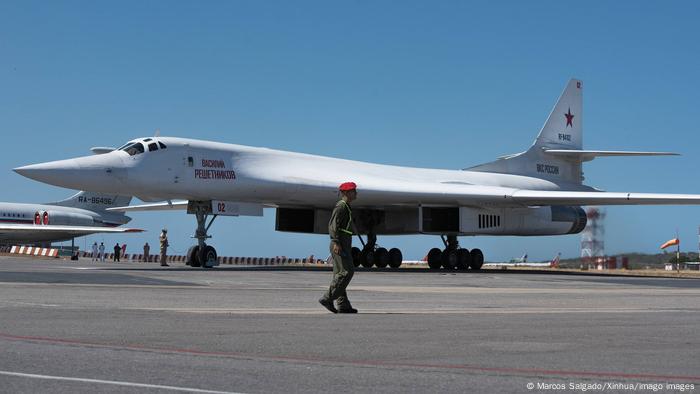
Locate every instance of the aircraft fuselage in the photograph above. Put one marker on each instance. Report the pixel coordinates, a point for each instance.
(202, 170)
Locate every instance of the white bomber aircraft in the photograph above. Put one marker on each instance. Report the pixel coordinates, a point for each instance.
(536, 192)
(81, 214)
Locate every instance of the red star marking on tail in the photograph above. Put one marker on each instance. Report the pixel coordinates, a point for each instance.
(569, 118)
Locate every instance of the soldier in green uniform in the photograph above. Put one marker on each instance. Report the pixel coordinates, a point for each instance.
(340, 230)
(164, 248)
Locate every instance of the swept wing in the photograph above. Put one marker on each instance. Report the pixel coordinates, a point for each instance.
(60, 231)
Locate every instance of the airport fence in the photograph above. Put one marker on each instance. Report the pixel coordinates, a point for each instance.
(154, 258)
(223, 260)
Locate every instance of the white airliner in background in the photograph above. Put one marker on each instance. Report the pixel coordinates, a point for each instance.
(82, 214)
(522, 262)
(536, 192)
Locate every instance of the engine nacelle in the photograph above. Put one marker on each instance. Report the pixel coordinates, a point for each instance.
(547, 220)
(60, 218)
(392, 221)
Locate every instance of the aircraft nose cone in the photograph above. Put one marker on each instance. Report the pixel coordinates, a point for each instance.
(46, 172)
(25, 171)
(93, 173)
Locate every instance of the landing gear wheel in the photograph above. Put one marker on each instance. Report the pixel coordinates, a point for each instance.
(206, 255)
(367, 258)
(464, 259)
(434, 258)
(381, 258)
(356, 254)
(477, 259)
(193, 256)
(449, 259)
(395, 258)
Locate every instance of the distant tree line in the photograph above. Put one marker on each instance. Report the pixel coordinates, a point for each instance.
(684, 257)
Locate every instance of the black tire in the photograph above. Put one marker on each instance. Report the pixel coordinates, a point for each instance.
(356, 254)
(205, 254)
(381, 258)
(449, 259)
(367, 258)
(464, 258)
(477, 259)
(193, 256)
(395, 258)
(434, 258)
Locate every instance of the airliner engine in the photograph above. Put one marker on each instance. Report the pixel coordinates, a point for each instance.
(60, 218)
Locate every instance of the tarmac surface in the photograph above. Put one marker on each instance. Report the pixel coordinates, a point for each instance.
(68, 327)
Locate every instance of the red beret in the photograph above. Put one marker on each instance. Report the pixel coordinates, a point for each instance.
(347, 186)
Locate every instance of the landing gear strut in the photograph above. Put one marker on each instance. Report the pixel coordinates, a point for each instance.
(202, 255)
(454, 257)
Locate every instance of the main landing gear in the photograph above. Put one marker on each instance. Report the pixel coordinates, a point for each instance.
(372, 255)
(454, 257)
(202, 255)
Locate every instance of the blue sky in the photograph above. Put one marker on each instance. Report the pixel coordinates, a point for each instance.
(429, 84)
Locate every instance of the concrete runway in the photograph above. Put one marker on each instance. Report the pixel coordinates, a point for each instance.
(131, 328)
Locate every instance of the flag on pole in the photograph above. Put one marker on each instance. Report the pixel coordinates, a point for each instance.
(672, 242)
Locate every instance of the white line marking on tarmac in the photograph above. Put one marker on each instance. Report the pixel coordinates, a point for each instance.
(515, 290)
(112, 382)
(82, 268)
(28, 303)
(411, 311)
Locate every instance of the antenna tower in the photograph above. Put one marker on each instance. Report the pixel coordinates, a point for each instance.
(593, 236)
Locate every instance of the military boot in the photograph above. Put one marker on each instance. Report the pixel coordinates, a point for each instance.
(346, 308)
(328, 304)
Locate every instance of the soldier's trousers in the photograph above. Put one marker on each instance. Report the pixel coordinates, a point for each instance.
(163, 256)
(343, 270)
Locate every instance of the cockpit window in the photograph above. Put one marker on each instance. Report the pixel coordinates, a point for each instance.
(162, 145)
(133, 149)
(148, 139)
(152, 147)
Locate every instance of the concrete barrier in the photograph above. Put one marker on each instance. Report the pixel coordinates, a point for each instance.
(34, 251)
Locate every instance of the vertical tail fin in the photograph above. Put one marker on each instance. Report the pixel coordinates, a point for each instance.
(564, 127)
(555, 261)
(93, 201)
(562, 130)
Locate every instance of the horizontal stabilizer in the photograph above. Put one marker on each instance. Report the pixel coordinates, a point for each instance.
(588, 155)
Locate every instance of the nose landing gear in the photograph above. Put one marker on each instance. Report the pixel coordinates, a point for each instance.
(201, 255)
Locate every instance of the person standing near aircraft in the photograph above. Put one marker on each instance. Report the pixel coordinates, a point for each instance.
(146, 252)
(102, 252)
(117, 250)
(340, 230)
(164, 248)
(94, 251)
